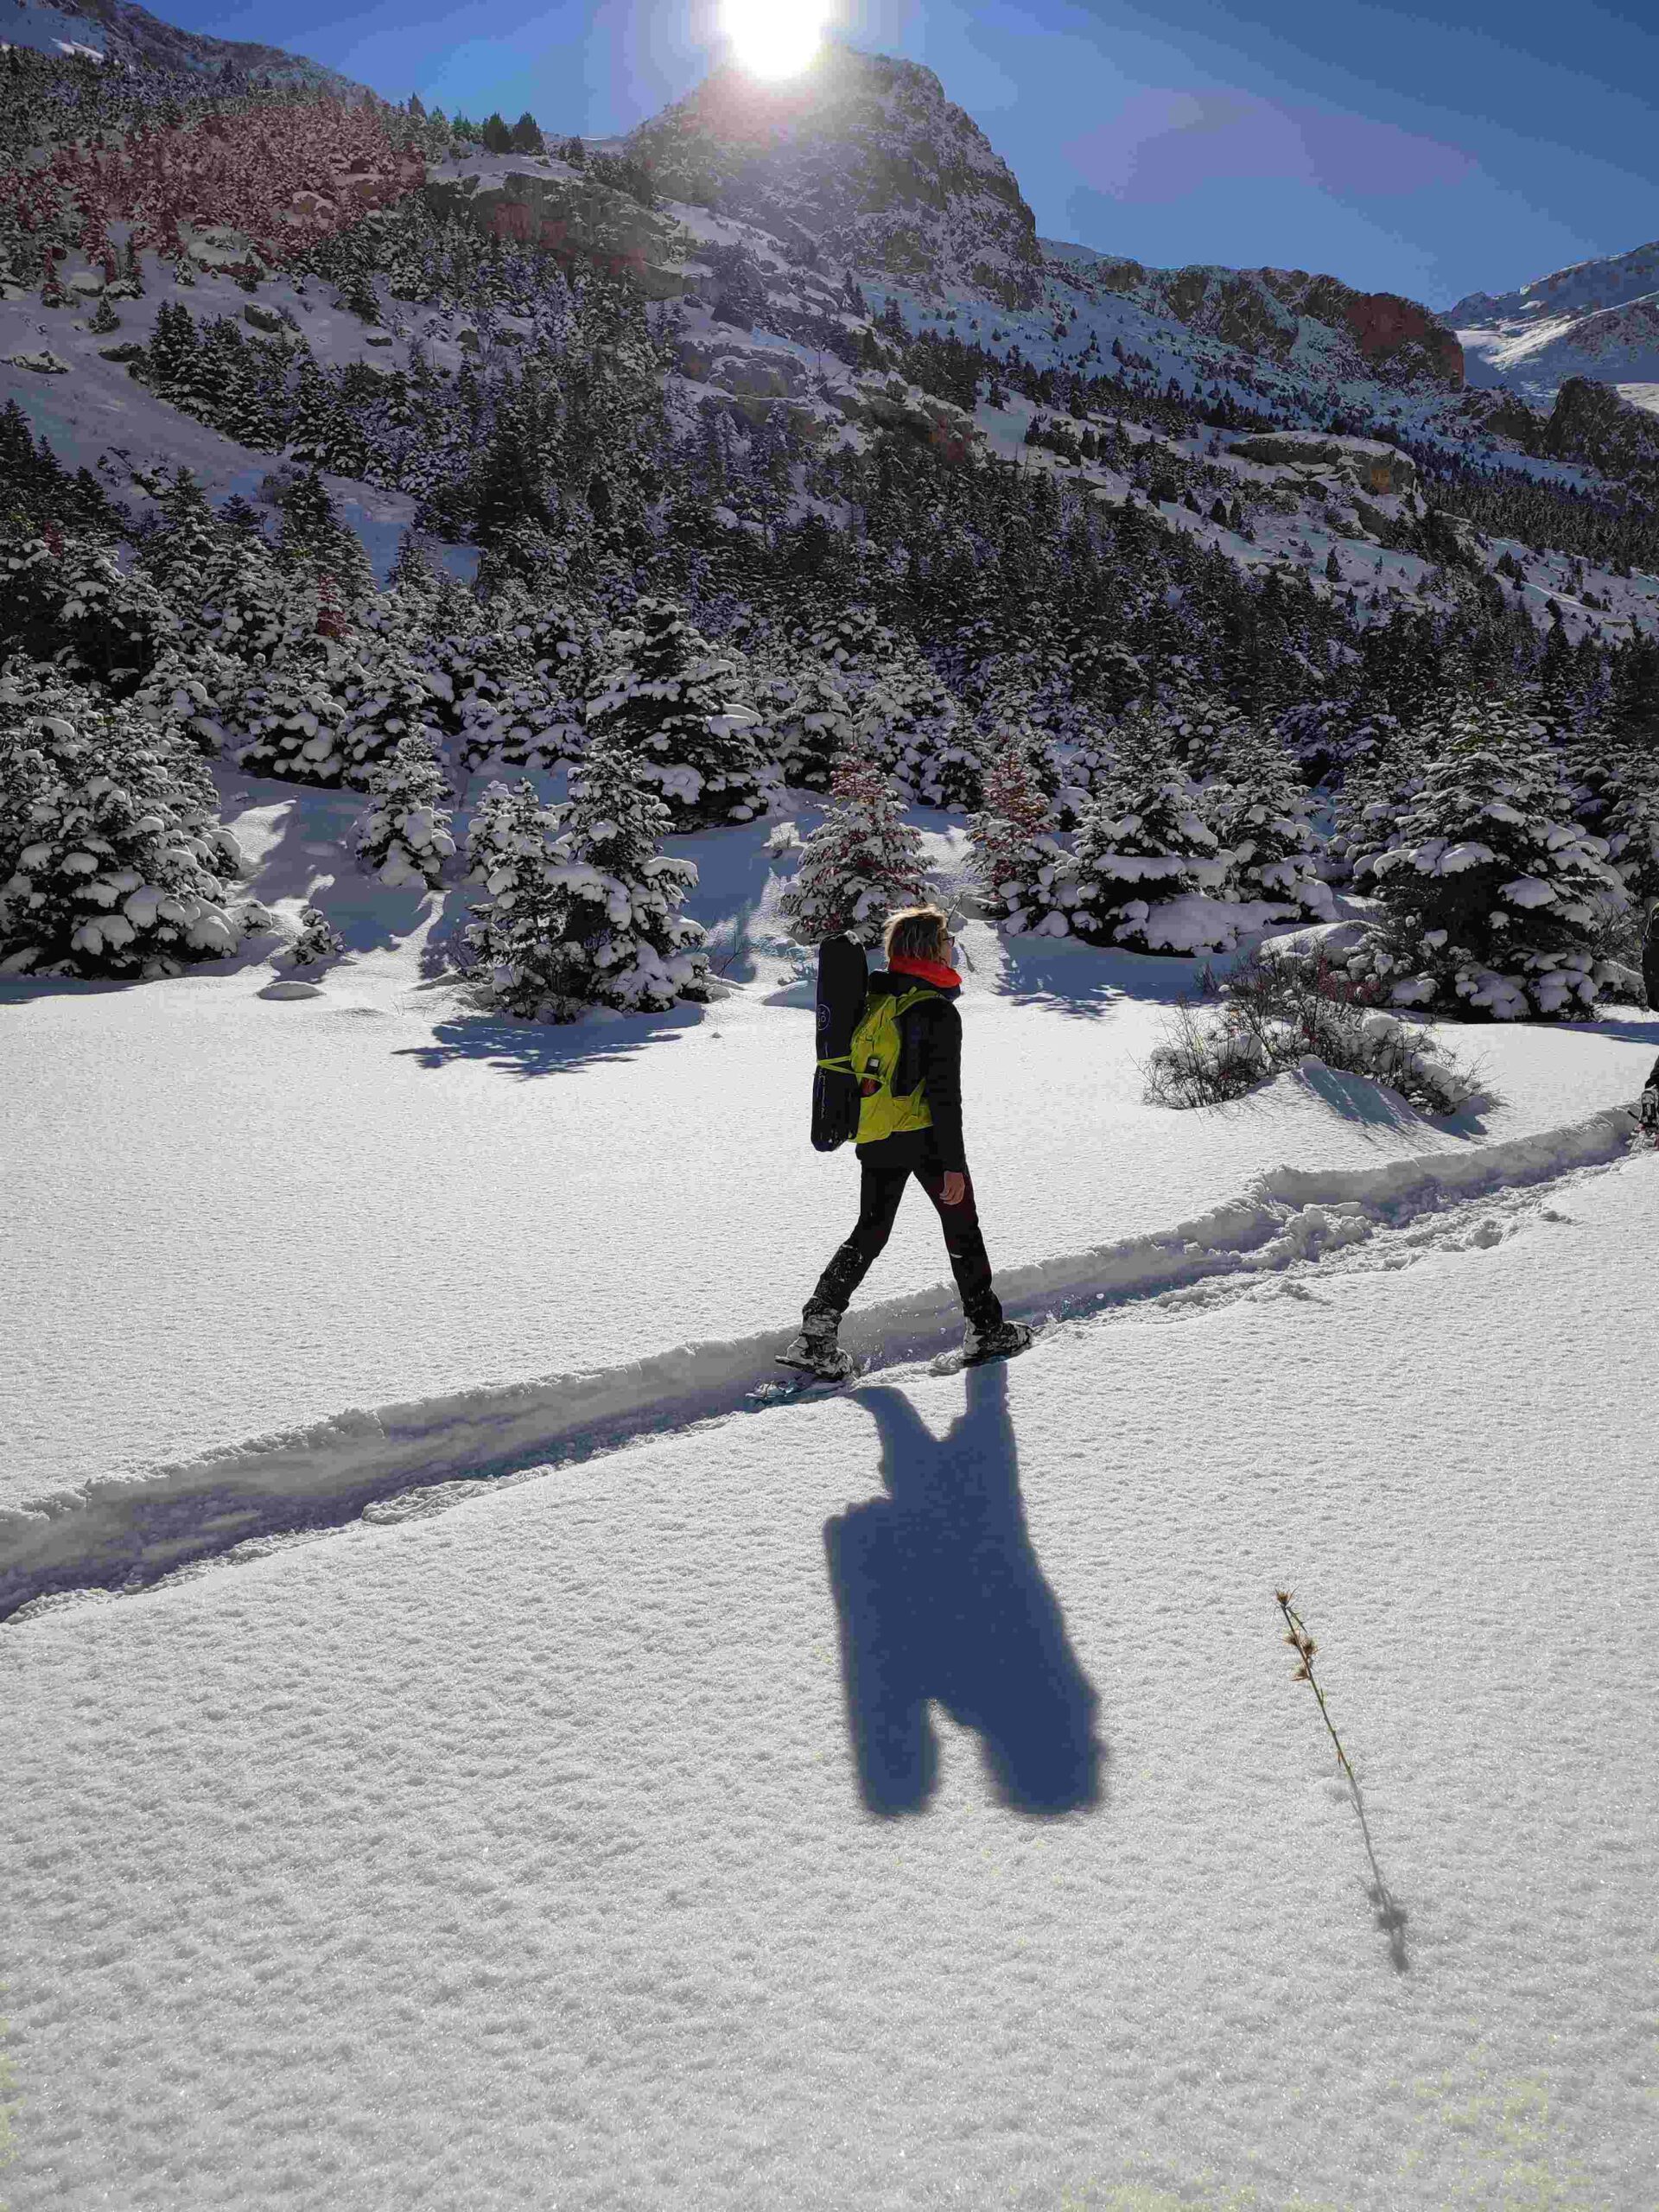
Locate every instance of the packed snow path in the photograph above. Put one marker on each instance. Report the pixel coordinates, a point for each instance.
(532, 1852)
(116, 1530)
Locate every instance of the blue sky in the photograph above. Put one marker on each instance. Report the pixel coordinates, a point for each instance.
(1401, 150)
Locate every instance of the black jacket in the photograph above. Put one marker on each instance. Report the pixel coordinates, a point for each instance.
(930, 1053)
(1650, 963)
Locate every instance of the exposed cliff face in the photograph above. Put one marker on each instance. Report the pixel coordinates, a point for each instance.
(1590, 422)
(862, 157)
(1395, 336)
(1267, 311)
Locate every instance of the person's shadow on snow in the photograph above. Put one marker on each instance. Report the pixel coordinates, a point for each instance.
(940, 1597)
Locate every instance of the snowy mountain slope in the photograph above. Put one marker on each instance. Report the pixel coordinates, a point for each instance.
(864, 163)
(1597, 318)
(1269, 311)
(120, 30)
(337, 1140)
(582, 1832)
(93, 412)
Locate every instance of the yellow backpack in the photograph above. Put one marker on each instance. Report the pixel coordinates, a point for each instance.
(875, 1046)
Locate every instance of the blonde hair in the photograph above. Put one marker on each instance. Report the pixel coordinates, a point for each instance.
(918, 933)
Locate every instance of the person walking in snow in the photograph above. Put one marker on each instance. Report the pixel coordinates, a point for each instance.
(906, 1052)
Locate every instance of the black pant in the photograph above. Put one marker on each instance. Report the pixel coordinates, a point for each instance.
(881, 1187)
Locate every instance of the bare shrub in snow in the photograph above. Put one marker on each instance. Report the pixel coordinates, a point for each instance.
(1273, 1013)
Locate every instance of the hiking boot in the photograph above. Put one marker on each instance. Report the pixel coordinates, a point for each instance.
(994, 1340)
(816, 1350)
(1647, 1110)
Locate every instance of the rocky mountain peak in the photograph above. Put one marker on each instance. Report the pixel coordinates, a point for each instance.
(862, 158)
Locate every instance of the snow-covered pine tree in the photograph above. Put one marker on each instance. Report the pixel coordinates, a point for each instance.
(1490, 889)
(190, 695)
(403, 836)
(1629, 824)
(503, 820)
(675, 704)
(860, 864)
(387, 702)
(813, 719)
(293, 716)
(317, 940)
(1264, 816)
(583, 909)
(113, 861)
(1024, 873)
(1150, 871)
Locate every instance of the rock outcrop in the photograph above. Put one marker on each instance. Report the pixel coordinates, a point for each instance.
(1365, 463)
(1590, 422)
(576, 217)
(863, 161)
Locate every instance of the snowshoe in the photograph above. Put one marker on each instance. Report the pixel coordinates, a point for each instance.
(823, 1360)
(1000, 1340)
(815, 1351)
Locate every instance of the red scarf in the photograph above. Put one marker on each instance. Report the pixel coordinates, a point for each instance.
(925, 971)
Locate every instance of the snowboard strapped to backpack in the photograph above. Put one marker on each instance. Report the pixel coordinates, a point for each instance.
(843, 978)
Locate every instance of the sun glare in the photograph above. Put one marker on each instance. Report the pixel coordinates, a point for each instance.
(773, 38)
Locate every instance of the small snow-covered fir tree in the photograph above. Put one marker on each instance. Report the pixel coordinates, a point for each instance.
(317, 941)
(813, 717)
(860, 864)
(113, 861)
(292, 715)
(1024, 873)
(403, 836)
(674, 703)
(1490, 890)
(387, 702)
(583, 909)
(1629, 824)
(191, 696)
(507, 823)
(1151, 870)
(1265, 816)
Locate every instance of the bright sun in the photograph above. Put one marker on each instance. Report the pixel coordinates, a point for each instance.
(774, 38)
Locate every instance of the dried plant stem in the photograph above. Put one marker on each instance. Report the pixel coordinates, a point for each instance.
(1390, 1914)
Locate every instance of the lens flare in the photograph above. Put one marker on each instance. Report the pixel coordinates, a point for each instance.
(773, 38)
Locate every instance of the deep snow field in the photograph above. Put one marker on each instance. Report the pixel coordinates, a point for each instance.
(566, 1839)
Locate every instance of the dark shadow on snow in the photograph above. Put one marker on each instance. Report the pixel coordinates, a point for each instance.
(1361, 1098)
(534, 1048)
(940, 1596)
(1628, 1029)
(1085, 980)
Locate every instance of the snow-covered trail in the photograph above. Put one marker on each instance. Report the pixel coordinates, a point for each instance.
(112, 1529)
(225, 1216)
(528, 1853)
